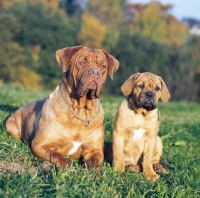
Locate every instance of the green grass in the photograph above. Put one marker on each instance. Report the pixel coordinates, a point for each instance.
(22, 175)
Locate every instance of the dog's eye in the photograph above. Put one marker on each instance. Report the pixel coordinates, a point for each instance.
(103, 65)
(157, 88)
(141, 86)
(82, 63)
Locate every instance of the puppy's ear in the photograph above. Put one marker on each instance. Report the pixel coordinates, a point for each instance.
(127, 87)
(165, 95)
(113, 64)
(63, 56)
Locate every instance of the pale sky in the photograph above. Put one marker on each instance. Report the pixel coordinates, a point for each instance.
(181, 9)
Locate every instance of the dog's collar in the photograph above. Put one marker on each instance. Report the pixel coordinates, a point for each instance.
(85, 121)
(158, 112)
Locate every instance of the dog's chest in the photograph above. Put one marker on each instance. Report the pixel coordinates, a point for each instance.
(75, 146)
(139, 127)
(138, 134)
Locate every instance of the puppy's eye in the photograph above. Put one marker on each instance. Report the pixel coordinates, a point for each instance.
(157, 88)
(141, 86)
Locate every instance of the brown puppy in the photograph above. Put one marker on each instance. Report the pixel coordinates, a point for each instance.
(70, 121)
(135, 140)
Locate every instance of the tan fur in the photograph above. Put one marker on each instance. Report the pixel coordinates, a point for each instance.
(135, 140)
(53, 132)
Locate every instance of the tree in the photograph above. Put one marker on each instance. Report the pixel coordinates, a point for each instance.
(110, 14)
(12, 59)
(50, 31)
(137, 53)
(176, 33)
(154, 21)
(92, 32)
(4, 4)
(182, 76)
(73, 6)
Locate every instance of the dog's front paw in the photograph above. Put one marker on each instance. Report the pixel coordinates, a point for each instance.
(134, 168)
(152, 176)
(59, 160)
(158, 168)
(119, 168)
(93, 163)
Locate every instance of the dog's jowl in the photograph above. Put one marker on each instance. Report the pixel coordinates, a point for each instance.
(136, 143)
(70, 121)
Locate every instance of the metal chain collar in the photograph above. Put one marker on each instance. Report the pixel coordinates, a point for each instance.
(158, 116)
(85, 121)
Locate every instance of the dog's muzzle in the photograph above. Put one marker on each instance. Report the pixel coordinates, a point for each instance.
(90, 83)
(94, 72)
(147, 101)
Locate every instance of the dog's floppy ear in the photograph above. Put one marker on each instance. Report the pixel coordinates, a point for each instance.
(165, 95)
(127, 87)
(63, 56)
(113, 64)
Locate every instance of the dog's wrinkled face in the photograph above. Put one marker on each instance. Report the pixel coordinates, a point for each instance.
(87, 69)
(89, 72)
(145, 90)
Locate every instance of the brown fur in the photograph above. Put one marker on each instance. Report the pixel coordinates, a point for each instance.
(135, 140)
(53, 132)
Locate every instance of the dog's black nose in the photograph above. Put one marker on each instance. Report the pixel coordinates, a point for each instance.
(95, 72)
(149, 94)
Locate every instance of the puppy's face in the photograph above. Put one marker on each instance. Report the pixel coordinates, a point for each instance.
(145, 89)
(87, 68)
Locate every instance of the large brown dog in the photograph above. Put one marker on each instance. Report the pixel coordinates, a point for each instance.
(70, 121)
(135, 140)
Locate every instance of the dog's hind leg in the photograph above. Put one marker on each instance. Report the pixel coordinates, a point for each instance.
(50, 154)
(156, 158)
(12, 126)
(157, 151)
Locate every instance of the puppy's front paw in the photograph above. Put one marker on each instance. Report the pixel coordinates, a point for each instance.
(158, 168)
(134, 168)
(152, 176)
(119, 168)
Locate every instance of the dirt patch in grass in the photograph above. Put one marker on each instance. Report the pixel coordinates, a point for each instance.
(9, 168)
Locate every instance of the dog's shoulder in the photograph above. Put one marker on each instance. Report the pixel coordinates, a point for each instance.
(124, 106)
(125, 114)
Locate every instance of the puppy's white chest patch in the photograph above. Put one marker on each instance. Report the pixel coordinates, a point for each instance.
(138, 133)
(76, 145)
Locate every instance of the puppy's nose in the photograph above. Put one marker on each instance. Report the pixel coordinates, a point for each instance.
(149, 94)
(95, 72)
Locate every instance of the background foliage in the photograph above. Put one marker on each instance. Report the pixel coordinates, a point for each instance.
(150, 40)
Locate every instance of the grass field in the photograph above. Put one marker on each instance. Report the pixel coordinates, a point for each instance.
(22, 175)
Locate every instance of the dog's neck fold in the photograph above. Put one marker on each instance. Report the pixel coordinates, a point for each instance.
(133, 106)
(70, 95)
